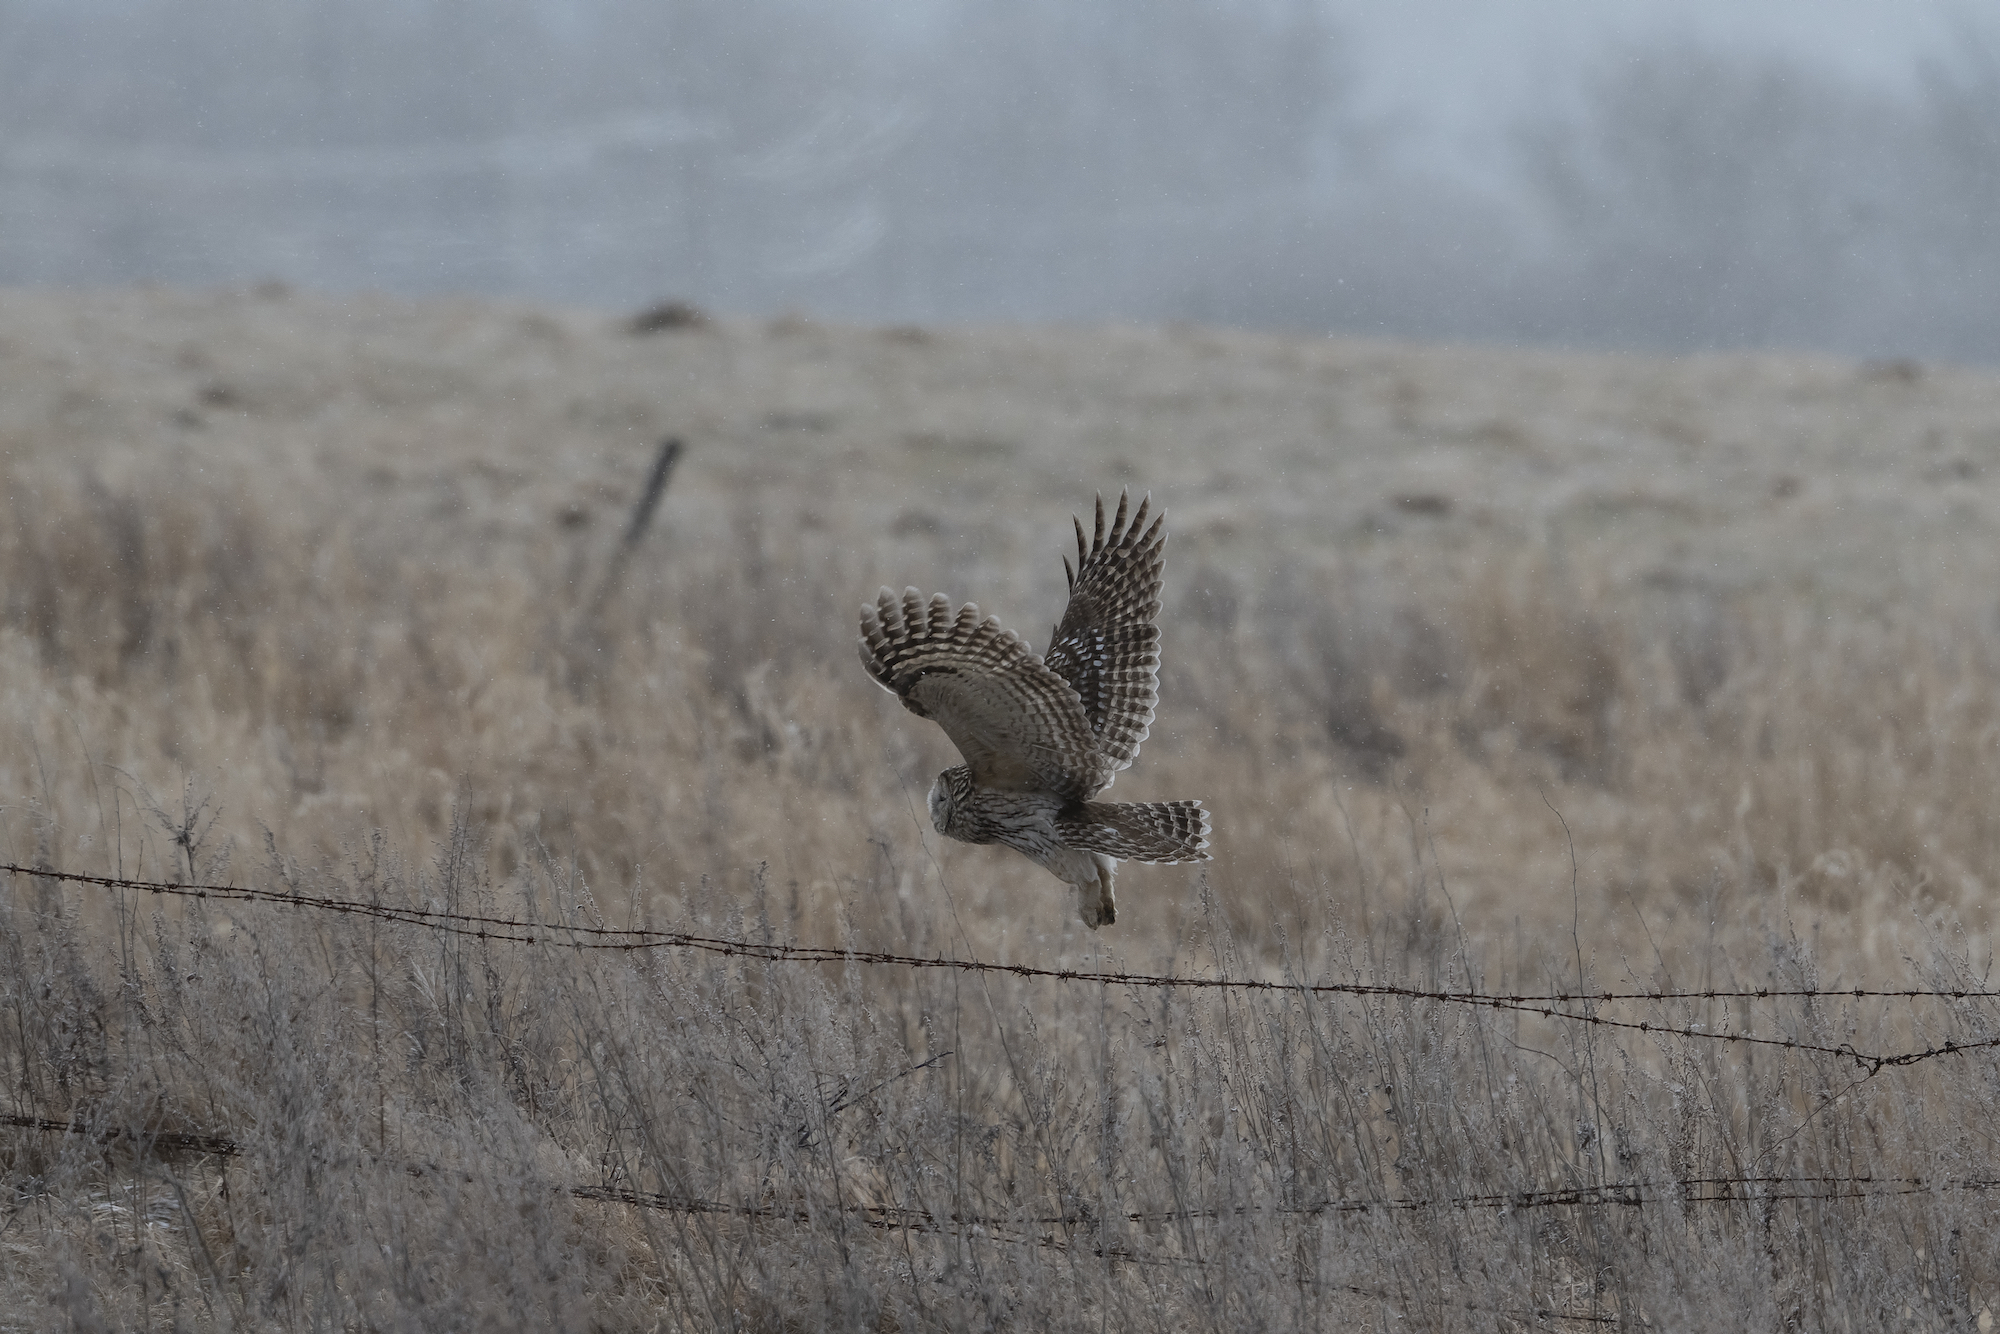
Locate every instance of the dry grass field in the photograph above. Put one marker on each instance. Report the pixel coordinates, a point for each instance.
(1501, 671)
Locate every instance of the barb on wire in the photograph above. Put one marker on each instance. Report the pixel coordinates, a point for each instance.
(1551, 1005)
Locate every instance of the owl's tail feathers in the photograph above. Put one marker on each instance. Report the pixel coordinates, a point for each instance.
(1144, 831)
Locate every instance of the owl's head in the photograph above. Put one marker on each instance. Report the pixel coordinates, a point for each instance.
(952, 787)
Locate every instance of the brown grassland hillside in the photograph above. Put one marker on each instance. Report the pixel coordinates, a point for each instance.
(1517, 673)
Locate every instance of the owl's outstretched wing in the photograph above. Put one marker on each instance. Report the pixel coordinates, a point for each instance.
(1019, 725)
(1107, 646)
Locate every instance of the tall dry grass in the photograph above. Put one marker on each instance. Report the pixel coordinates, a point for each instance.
(1491, 771)
(411, 1115)
(165, 637)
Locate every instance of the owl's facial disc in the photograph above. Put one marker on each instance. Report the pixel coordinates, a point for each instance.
(941, 804)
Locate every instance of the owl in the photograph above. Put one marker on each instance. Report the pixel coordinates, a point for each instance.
(1043, 736)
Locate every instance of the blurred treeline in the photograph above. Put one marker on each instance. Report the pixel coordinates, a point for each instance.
(1150, 159)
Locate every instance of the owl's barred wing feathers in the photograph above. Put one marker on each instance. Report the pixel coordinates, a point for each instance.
(1018, 724)
(1143, 831)
(1107, 646)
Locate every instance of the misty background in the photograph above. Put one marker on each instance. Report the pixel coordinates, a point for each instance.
(1802, 173)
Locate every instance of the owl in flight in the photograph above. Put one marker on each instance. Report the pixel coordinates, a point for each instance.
(1042, 736)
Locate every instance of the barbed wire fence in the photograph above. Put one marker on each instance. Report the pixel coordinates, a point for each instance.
(1061, 1232)
(1569, 1006)
(1053, 1233)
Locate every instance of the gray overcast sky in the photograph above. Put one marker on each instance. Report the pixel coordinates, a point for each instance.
(1452, 73)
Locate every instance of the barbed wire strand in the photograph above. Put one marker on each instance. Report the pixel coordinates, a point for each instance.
(1547, 1005)
(1740, 1190)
